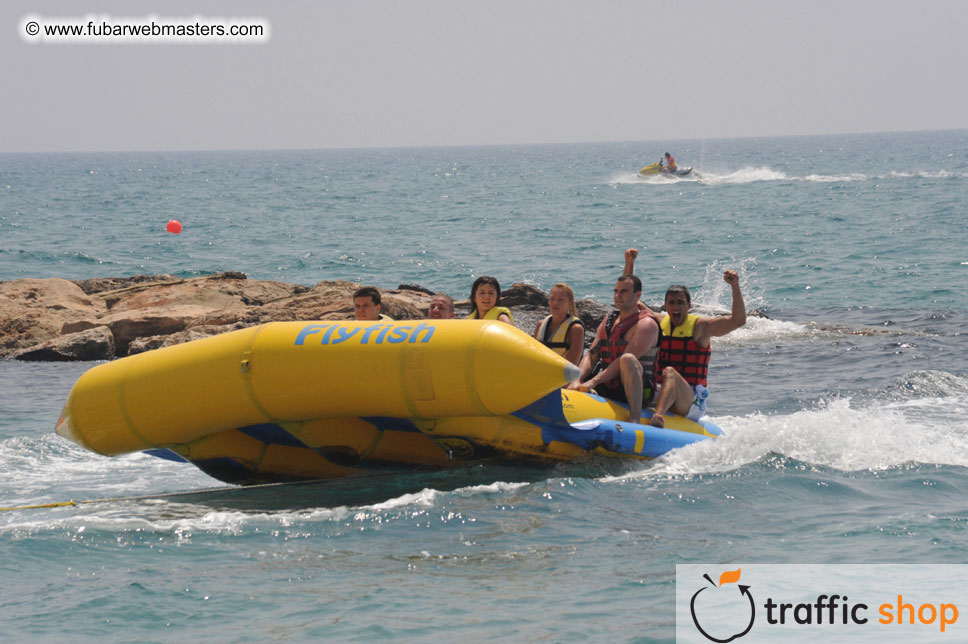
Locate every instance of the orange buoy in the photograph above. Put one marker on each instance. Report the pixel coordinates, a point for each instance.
(174, 226)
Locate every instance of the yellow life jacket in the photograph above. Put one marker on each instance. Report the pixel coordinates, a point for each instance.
(492, 314)
(558, 342)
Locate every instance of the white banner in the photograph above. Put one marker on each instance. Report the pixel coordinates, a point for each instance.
(882, 603)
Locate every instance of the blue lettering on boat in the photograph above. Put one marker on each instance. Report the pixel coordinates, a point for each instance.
(368, 331)
(312, 328)
(375, 334)
(345, 334)
(423, 327)
(398, 334)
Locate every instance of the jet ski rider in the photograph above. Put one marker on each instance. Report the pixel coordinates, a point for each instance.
(670, 163)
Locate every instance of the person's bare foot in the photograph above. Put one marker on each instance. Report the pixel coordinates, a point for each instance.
(657, 420)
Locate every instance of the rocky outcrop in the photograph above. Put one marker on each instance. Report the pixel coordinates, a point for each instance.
(100, 319)
(92, 344)
(35, 311)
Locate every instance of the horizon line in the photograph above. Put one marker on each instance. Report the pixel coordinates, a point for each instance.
(476, 145)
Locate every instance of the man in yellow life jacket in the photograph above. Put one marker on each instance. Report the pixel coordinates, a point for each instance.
(619, 364)
(683, 361)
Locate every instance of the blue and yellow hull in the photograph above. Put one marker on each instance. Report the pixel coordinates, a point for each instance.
(316, 400)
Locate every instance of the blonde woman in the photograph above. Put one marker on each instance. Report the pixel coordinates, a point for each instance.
(562, 331)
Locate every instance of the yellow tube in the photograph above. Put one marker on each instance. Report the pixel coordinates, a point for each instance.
(293, 371)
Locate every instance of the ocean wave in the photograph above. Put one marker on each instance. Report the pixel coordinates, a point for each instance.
(763, 329)
(929, 428)
(753, 174)
(50, 469)
(491, 488)
(208, 511)
(423, 498)
(84, 258)
(758, 330)
(655, 179)
(750, 174)
(181, 521)
(929, 384)
(834, 178)
(924, 174)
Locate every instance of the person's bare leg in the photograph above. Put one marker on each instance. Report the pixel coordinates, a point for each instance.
(676, 394)
(631, 370)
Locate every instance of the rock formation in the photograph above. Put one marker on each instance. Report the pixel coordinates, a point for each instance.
(100, 319)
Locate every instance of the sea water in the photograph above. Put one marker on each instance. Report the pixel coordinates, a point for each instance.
(844, 399)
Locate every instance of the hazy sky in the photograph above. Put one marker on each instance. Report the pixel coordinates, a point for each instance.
(427, 73)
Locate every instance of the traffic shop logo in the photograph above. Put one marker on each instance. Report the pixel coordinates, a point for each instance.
(728, 598)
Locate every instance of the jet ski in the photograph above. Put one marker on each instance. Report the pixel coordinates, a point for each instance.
(657, 169)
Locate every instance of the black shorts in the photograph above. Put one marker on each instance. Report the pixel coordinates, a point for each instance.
(618, 394)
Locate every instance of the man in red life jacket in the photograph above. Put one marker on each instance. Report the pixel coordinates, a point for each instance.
(683, 361)
(620, 360)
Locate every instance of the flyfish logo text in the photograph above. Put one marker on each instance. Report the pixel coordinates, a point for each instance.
(393, 333)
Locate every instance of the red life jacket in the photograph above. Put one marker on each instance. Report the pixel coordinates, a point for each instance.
(678, 349)
(613, 345)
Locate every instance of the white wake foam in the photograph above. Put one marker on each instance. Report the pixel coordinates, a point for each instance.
(748, 174)
(50, 469)
(752, 174)
(183, 519)
(837, 434)
(631, 178)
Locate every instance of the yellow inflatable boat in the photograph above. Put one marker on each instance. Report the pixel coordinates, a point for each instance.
(313, 400)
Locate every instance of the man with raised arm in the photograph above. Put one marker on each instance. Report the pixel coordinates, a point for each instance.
(684, 349)
(619, 364)
(683, 361)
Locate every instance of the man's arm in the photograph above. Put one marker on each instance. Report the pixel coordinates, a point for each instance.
(644, 335)
(707, 328)
(589, 360)
(630, 256)
(611, 371)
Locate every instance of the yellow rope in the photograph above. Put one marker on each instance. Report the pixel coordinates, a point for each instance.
(43, 505)
(162, 495)
(237, 488)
